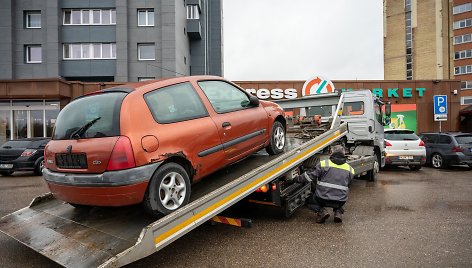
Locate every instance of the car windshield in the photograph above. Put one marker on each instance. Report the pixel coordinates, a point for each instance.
(77, 117)
(401, 135)
(15, 144)
(464, 139)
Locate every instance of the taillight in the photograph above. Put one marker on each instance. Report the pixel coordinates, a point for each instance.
(456, 149)
(263, 189)
(387, 143)
(122, 156)
(28, 152)
(421, 143)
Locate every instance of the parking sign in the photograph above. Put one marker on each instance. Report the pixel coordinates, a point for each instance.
(440, 107)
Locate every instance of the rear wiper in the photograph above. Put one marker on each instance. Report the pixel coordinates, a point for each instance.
(79, 132)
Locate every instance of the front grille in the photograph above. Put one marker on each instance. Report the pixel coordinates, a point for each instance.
(8, 157)
(71, 161)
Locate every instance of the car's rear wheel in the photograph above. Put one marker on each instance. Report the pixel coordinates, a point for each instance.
(6, 173)
(168, 190)
(38, 169)
(277, 139)
(437, 161)
(414, 167)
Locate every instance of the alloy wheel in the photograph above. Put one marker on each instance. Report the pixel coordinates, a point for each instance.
(279, 137)
(172, 191)
(437, 161)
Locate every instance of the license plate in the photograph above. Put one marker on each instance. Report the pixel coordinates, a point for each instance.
(6, 166)
(405, 157)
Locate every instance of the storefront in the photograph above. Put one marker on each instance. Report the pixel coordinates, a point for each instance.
(29, 108)
(412, 101)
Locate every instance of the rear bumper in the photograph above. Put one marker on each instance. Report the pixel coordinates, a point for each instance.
(112, 188)
(18, 165)
(396, 161)
(459, 158)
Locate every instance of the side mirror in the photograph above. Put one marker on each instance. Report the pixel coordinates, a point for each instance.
(387, 121)
(253, 101)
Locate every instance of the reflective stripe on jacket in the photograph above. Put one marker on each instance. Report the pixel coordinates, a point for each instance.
(333, 180)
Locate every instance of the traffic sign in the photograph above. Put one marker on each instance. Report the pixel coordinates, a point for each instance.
(440, 107)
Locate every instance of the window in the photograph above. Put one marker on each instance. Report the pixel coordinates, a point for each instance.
(443, 139)
(430, 138)
(89, 17)
(353, 108)
(33, 19)
(142, 79)
(463, 54)
(401, 135)
(193, 12)
(462, 24)
(462, 8)
(466, 69)
(33, 54)
(175, 103)
(145, 17)
(146, 51)
(224, 97)
(89, 51)
(81, 111)
(409, 40)
(464, 139)
(466, 38)
(466, 100)
(466, 84)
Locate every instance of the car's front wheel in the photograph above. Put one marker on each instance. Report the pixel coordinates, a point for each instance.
(6, 173)
(38, 169)
(168, 190)
(277, 139)
(437, 161)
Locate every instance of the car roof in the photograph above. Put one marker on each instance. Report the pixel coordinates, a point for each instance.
(165, 81)
(397, 129)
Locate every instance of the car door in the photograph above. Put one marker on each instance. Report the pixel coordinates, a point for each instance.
(242, 128)
(445, 145)
(430, 143)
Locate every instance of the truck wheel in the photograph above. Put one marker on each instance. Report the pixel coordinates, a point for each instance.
(437, 161)
(168, 190)
(277, 139)
(311, 162)
(38, 169)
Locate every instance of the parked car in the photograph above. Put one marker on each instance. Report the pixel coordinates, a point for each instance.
(147, 142)
(22, 154)
(448, 148)
(404, 148)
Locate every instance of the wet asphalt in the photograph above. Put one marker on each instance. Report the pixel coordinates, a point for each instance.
(404, 219)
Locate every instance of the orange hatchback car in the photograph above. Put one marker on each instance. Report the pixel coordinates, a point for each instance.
(148, 142)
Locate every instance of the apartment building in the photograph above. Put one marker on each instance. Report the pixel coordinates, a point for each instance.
(110, 40)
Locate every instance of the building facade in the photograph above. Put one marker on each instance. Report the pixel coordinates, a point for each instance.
(110, 40)
(429, 39)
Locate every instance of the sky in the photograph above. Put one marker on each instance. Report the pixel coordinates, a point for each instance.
(298, 39)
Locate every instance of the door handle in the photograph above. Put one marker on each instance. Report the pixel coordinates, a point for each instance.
(226, 124)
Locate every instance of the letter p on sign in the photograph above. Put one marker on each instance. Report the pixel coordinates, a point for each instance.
(440, 107)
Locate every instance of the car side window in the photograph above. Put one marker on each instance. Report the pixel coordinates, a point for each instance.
(443, 139)
(175, 103)
(224, 97)
(430, 138)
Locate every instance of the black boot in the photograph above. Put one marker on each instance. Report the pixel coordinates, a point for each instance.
(338, 216)
(322, 216)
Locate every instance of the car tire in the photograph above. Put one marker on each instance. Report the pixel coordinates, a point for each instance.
(38, 169)
(168, 190)
(437, 161)
(6, 173)
(277, 139)
(415, 167)
(311, 162)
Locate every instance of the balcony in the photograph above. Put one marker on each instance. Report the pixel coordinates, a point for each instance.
(194, 29)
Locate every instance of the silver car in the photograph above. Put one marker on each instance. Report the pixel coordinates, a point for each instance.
(404, 148)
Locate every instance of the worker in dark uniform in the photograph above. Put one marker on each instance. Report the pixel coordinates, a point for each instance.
(332, 178)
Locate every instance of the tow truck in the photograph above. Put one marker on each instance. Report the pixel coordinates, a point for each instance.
(113, 237)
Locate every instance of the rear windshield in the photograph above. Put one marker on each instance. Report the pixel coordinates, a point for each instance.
(101, 109)
(401, 135)
(16, 144)
(464, 139)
